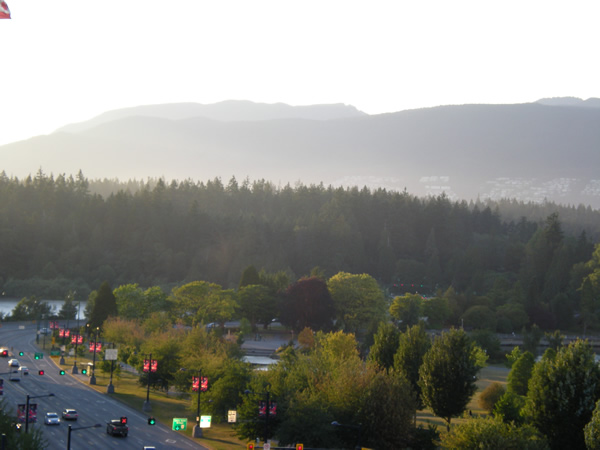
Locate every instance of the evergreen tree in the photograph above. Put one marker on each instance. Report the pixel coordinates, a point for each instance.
(105, 306)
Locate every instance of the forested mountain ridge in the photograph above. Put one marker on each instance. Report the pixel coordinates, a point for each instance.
(531, 152)
(56, 236)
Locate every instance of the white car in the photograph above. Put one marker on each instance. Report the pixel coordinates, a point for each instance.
(13, 362)
(14, 376)
(24, 370)
(52, 419)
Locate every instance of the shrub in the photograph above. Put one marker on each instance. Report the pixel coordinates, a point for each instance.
(490, 395)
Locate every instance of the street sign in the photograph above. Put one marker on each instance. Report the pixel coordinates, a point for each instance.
(232, 416)
(179, 424)
(205, 421)
(110, 354)
(266, 446)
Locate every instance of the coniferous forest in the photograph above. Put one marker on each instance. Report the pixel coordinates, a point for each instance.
(60, 234)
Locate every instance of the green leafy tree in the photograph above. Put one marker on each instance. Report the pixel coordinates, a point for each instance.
(31, 308)
(202, 302)
(488, 341)
(387, 410)
(257, 303)
(413, 344)
(385, 346)
(563, 393)
(591, 432)
(518, 377)
(165, 348)
(358, 300)
(448, 374)
(104, 307)
(130, 301)
(555, 339)
(437, 311)
(480, 317)
(408, 309)
(508, 408)
(492, 433)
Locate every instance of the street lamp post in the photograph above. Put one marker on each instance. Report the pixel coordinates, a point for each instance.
(197, 429)
(75, 370)
(268, 406)
(147, 406)
(27, 408)
(93, 376)
(98, 425)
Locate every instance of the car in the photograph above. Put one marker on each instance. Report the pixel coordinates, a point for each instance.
(51, 419)
(44, 331)
(14, 375)
(24, 370)
(117, 427)
(69, 414)
(13, 362)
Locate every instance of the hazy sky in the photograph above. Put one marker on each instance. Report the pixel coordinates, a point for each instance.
(69, 60)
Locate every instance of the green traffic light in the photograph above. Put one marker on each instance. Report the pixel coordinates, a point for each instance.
(151, 421)
(21, 353)
(62, 372)
(37, 357)
(83, 371)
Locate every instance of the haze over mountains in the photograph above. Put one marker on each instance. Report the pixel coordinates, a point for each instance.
(549, 149)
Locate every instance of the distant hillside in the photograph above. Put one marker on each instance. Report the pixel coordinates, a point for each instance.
(531, 151)
(228, 111)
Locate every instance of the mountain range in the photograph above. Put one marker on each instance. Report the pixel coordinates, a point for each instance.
(545, 150)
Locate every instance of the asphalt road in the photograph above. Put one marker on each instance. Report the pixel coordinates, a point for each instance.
(70, 392)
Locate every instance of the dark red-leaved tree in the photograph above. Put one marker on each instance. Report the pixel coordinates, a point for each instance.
(307, 303)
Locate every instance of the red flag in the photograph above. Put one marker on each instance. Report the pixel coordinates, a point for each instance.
(4, 11)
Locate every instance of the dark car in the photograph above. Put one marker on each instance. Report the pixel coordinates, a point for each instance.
(116, 427)
(69, 414)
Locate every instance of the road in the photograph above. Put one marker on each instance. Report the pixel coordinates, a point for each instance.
(69, 392)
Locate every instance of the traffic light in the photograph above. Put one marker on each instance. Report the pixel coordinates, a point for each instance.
(62, 372)
(5, 353)
(41, 372)
(151, 420)
(123, 420)
(83, 371)
(299, 446)
(38, 356)
(21, 353)
(250, 446)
